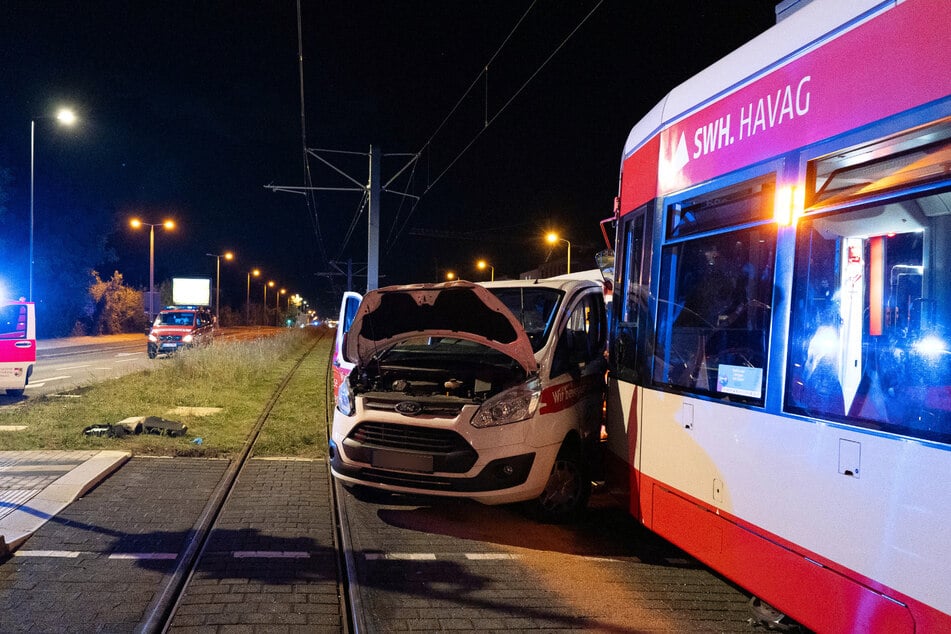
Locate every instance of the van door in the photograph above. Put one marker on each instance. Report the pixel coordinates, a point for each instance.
(578, 366)
(341, 366)
(17, 345)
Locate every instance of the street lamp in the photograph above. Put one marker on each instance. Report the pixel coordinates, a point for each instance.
(228, 255)
(247, 316)
(450, 275)
(277, 305)
(271, 284)
(554, 239)
(66, 117)
(483, 265)
(135, 223)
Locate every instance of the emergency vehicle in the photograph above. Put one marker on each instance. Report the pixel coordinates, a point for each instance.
(17, 345)
(177, 327)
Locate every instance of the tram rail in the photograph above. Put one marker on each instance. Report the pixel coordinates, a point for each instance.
(161, 612)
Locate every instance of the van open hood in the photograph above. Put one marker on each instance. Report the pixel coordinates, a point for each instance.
(454, 309)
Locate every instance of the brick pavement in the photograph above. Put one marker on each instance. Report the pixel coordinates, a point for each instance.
(270, 563)
(36, 485)
(97, 563)
(453, 565)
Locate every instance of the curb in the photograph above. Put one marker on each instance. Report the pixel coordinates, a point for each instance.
(18, 526)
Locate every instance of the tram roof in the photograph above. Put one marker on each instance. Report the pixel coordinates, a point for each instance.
(791, 37)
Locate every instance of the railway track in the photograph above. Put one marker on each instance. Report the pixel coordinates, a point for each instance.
(161, 613)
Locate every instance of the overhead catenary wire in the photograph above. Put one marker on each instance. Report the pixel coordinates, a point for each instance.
(309, 196)
(487, 120)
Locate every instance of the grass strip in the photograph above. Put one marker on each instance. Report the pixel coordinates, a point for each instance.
(237, 378)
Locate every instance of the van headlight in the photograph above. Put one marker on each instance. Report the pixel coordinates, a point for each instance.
(512, 405)
(188, 338)
(345, 398)
(153, 338)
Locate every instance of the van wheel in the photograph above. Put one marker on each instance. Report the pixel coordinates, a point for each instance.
(568, 488)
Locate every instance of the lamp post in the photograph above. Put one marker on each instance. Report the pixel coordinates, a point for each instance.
(277, 305)
(66, 117)
(247, 315)
(135, 223)
(554, 239)
(483, 265)
(228, 255)
(271, 284)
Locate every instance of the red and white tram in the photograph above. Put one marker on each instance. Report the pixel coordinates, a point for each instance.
(780, 385)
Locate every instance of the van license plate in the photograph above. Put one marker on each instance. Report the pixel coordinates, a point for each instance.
(402, 461)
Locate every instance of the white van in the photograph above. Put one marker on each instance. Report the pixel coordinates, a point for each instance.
(487, 391)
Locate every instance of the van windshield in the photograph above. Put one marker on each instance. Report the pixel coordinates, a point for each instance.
(534, 307)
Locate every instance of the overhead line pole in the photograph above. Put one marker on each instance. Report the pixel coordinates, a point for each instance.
(373, 224)
(374, 189)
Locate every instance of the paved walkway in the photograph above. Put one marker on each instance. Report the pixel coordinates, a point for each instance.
(36, 485)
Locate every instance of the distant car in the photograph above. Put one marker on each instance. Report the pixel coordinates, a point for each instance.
(488, 391)
(180, 327)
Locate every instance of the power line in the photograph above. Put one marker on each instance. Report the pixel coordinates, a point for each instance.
(487, 120)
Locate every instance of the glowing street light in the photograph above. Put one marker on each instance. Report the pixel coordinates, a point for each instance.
(247, 316)
(66, 117)
(483, 265)
(553, 238)
(135, 223)
(450, 275)
(228, 255)
(270, 283)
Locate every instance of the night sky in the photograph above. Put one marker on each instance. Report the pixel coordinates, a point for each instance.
(189, 109)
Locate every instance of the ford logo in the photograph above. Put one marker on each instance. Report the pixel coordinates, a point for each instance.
(408, 408)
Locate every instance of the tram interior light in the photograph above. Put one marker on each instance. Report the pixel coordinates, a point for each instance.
(931, 347)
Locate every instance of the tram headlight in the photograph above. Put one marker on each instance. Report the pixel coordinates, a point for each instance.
(345, 398)
(512, 405)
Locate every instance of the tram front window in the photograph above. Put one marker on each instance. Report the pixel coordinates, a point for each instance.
(870, 334)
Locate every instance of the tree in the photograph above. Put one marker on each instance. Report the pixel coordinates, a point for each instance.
(117, 308)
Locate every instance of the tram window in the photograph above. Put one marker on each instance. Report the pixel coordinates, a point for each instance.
(630, 301)
(870, 332)
(738, 204)
(917, 157)
(714, 308)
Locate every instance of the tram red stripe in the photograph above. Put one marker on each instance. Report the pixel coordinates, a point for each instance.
(815, 591)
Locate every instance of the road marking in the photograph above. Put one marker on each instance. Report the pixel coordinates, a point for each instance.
(270, 554)
(75, 367)
(129, 354)
(12, 427)
(237, 554)
(490, 556)
(47, 553)
(55, 378)
(401, 556)
(124, 360)
(31, 385)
